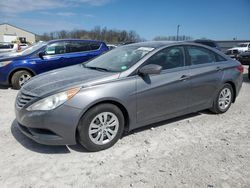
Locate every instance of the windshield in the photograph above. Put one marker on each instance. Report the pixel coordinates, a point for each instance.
(241, 45)
(119, 59)
(33, 48)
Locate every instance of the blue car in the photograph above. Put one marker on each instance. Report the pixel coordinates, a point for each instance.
(18, 68)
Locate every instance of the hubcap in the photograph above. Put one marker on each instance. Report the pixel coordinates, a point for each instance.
(23, 79)
(103, 128)
(225, 98)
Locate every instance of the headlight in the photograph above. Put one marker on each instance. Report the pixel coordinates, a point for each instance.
(4, 63)
(53, 101)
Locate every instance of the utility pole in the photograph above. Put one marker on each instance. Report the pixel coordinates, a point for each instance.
(178, 28)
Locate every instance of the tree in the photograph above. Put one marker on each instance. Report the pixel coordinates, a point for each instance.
(97, 33)
(172, 38)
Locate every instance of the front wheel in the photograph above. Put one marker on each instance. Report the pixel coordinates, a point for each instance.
(101, 127)
(223, 99)
(19, 78)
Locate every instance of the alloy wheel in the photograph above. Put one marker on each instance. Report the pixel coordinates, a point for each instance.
(225, 98)
(103, 128)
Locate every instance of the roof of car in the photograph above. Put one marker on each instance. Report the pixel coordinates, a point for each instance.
(153, 44)
(61, 40)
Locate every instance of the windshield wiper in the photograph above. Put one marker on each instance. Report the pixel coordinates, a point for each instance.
(97, 68)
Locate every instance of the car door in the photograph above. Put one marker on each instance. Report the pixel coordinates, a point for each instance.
(166, 93)
(54, 57)
(205, 76)
(79, 52)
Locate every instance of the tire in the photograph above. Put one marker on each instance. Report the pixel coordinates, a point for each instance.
(100, 128)
(19, 78)
(218, 107)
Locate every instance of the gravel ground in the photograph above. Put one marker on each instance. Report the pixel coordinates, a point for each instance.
(198, 150)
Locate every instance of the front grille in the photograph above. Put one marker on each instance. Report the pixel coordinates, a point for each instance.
(23, 99)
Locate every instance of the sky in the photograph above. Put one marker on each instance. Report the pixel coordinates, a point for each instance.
(212, 19)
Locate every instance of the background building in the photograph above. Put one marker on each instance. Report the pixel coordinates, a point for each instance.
(226, 44)
(9, 33)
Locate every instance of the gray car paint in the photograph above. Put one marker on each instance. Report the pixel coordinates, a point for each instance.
(144, 99)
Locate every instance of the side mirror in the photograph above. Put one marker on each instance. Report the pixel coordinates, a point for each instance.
(41, 54)
(150, 69)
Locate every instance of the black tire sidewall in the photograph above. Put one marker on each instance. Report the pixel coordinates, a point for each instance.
(83, 127)
(15, 78)
(249, 72)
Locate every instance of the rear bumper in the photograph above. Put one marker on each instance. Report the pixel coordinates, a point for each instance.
(55, 127)
(238, 84)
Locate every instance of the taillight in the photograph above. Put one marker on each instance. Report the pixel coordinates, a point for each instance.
(240, 68)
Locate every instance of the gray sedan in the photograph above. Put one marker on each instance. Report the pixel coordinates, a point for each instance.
(127, 88)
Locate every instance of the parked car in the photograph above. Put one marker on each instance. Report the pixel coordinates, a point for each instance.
(235, 51)
(128, 42)
(124, 89)
(16, 69)
(209, 43)
(244, 58)
(23, 46)
(9, 47)
(111, 46)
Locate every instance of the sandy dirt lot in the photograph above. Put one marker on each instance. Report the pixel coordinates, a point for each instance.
(197, 150)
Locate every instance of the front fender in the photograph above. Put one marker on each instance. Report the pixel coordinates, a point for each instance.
(122, 91)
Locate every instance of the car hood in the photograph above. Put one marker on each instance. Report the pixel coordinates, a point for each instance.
(64, 78)
(10, 56)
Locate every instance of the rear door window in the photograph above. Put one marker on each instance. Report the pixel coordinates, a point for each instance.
(219, 58)
(73, 47)
(199, 55)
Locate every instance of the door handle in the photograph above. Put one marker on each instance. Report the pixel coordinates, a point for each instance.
(184, 77)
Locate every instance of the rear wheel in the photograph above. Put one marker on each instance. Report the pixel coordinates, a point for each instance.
(223, 100)
(19, 78)
(101, 127)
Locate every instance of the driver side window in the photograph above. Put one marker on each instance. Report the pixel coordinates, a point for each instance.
(168, 58)
(55, 48)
